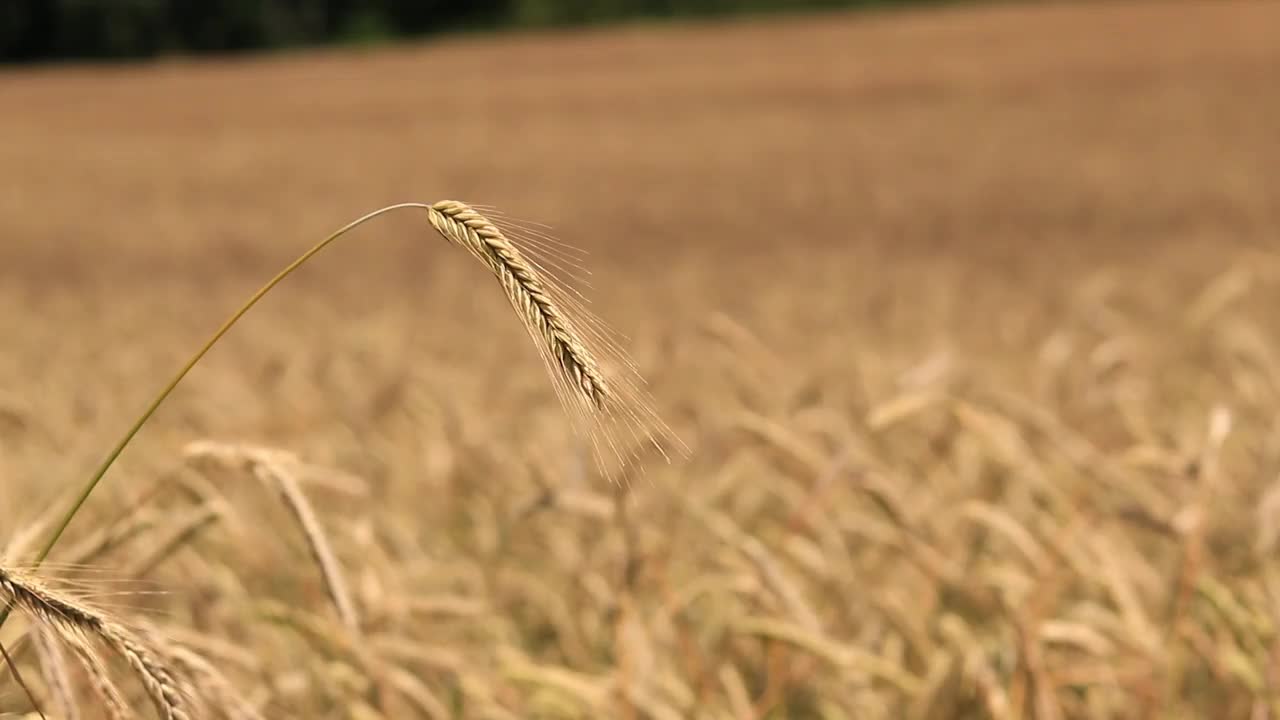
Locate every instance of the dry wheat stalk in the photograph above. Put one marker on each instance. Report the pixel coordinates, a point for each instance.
(104, 688)
(270, 471)
(274, 468)
(211, 685)
(54, 668)
(183, 530)
(78, 623)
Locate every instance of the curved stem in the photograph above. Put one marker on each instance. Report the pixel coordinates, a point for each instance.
(182, 373)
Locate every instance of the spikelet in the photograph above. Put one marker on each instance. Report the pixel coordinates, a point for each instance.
(597, 383)
(79, 624)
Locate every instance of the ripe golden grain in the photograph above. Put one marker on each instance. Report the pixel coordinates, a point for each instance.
(77, 623)
(957, 442)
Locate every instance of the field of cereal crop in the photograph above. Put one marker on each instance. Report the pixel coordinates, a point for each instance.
(968, 318)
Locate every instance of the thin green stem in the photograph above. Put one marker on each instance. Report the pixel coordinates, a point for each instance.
(168, 389)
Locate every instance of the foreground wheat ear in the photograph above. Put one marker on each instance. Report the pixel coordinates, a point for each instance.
(595, 381)
(79, 625)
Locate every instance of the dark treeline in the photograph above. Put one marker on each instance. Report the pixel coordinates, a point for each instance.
(32, 30)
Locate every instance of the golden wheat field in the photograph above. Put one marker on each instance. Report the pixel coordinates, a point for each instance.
(967, 318)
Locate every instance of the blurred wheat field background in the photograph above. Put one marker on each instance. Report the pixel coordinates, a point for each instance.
(967, 317)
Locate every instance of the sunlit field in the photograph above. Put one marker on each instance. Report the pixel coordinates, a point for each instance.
(967, 318)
